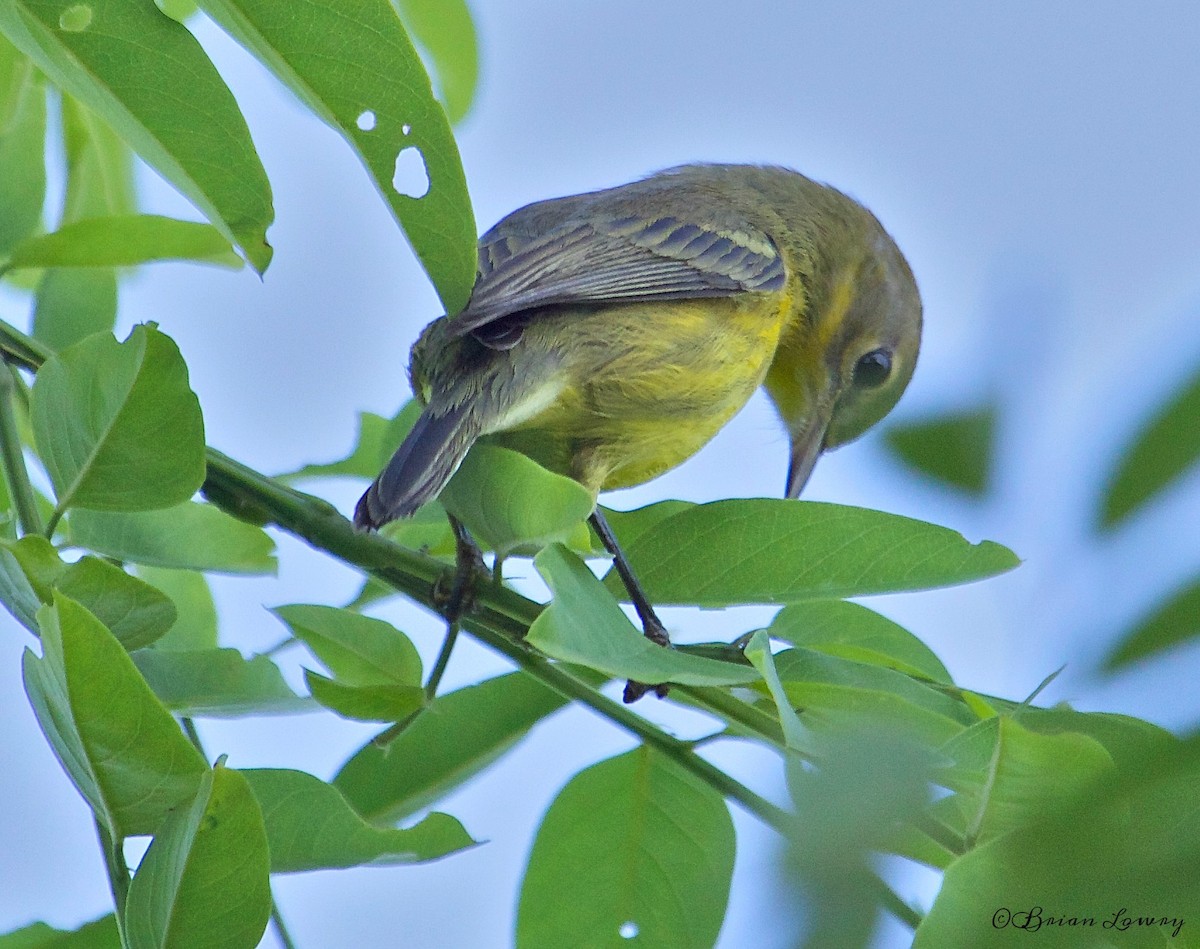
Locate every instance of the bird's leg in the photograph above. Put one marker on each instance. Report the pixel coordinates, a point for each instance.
(652, 626)
(468, 565)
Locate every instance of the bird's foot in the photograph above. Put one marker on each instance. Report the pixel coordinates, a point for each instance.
(454, 593)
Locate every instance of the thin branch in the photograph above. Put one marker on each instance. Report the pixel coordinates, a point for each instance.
(12, 458)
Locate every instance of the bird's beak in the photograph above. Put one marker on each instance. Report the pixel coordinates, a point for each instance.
(806, 449)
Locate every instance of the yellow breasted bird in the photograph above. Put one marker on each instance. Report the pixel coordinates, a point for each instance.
(610, 335)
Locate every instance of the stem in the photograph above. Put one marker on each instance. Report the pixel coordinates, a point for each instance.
(12, 457)
(443, 659)
(281, 930)
(118, 876)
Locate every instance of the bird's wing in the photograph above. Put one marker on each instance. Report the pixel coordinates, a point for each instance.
(601, 257)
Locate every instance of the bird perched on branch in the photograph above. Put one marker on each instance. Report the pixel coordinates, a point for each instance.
(611, 334)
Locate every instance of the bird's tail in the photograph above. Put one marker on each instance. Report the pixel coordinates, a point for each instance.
(421, 466)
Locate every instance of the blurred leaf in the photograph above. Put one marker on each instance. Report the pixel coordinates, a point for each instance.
(16, 592)
(443, 28)
(358, 649)
(311, 827)
(365, 703)
(762, 550)
(218, 683)
(854, 632)
(1122, 853)
(99, 934)
(1173, 622)
(795, 735)
(427, 530)
(72, 304)
(147, 77)
(507, 499)
(195, 624)
(117, 742)
(836, 694)
(455, 738)
(632, 846)
(362, 462)
(178, 10)
(1165, 447)
(116, 424)
(867, 783)
(584, 624)
(124, 241)
(354, 66)
(190, 536)
(1004, 775)
(205, 879)
(22, 147)
(956, 449)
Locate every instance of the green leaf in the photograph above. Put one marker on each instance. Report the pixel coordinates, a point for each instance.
(956, 449)
(22, 147)
(1123, 854)
(795, 734)
(99, 165)
(117, 742)
(205, 879)
(630, 525)
(73, 304)
(365, 703)
(835, 694)
(362, 462)
(124, 241)
(444, 30)
(116, 424)
(508, 500)
(1005, 774)
(459, 735)
(311, 827)
(195, 624)
(428, 530)
(99, 934)
(147, 77)
(762, 550)
(218, 683)
(584, 624)
(16, 592)
(354, 66)
(359, 650)
(851, 631)
(631, 845)
(190, 536)
(134, 611)
(1173, 622)
(1165, 447)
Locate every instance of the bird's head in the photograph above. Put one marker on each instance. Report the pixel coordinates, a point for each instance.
(846, 358)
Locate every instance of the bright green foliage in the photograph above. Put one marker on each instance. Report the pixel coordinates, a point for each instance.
(763, 550)
(191, 537)
(204, 880)
(124, 242)
(508, 500)
(1166, 447)
(74, 303)
(117, 425)
(585, 625)
(795, 735)
(195, 625)
(353, 65)
(217, 683)
(1175, 621)
(98, 934)
(127, 758)
(123, 61)
(376, 667)
(851, 631)
(443, 29)
(631, 846)
(311, 827)
(22, 147)
(954, 449)
(461, 734)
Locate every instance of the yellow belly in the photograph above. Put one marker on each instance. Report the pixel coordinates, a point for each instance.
(643, 387)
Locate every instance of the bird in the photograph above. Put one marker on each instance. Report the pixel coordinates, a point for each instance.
(611, 334)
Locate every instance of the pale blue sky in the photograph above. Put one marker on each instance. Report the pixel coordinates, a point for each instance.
(1036, 161)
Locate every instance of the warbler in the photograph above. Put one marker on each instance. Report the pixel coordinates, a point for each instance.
(611, 334)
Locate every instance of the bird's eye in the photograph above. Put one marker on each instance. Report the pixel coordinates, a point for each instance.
(872, 370)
